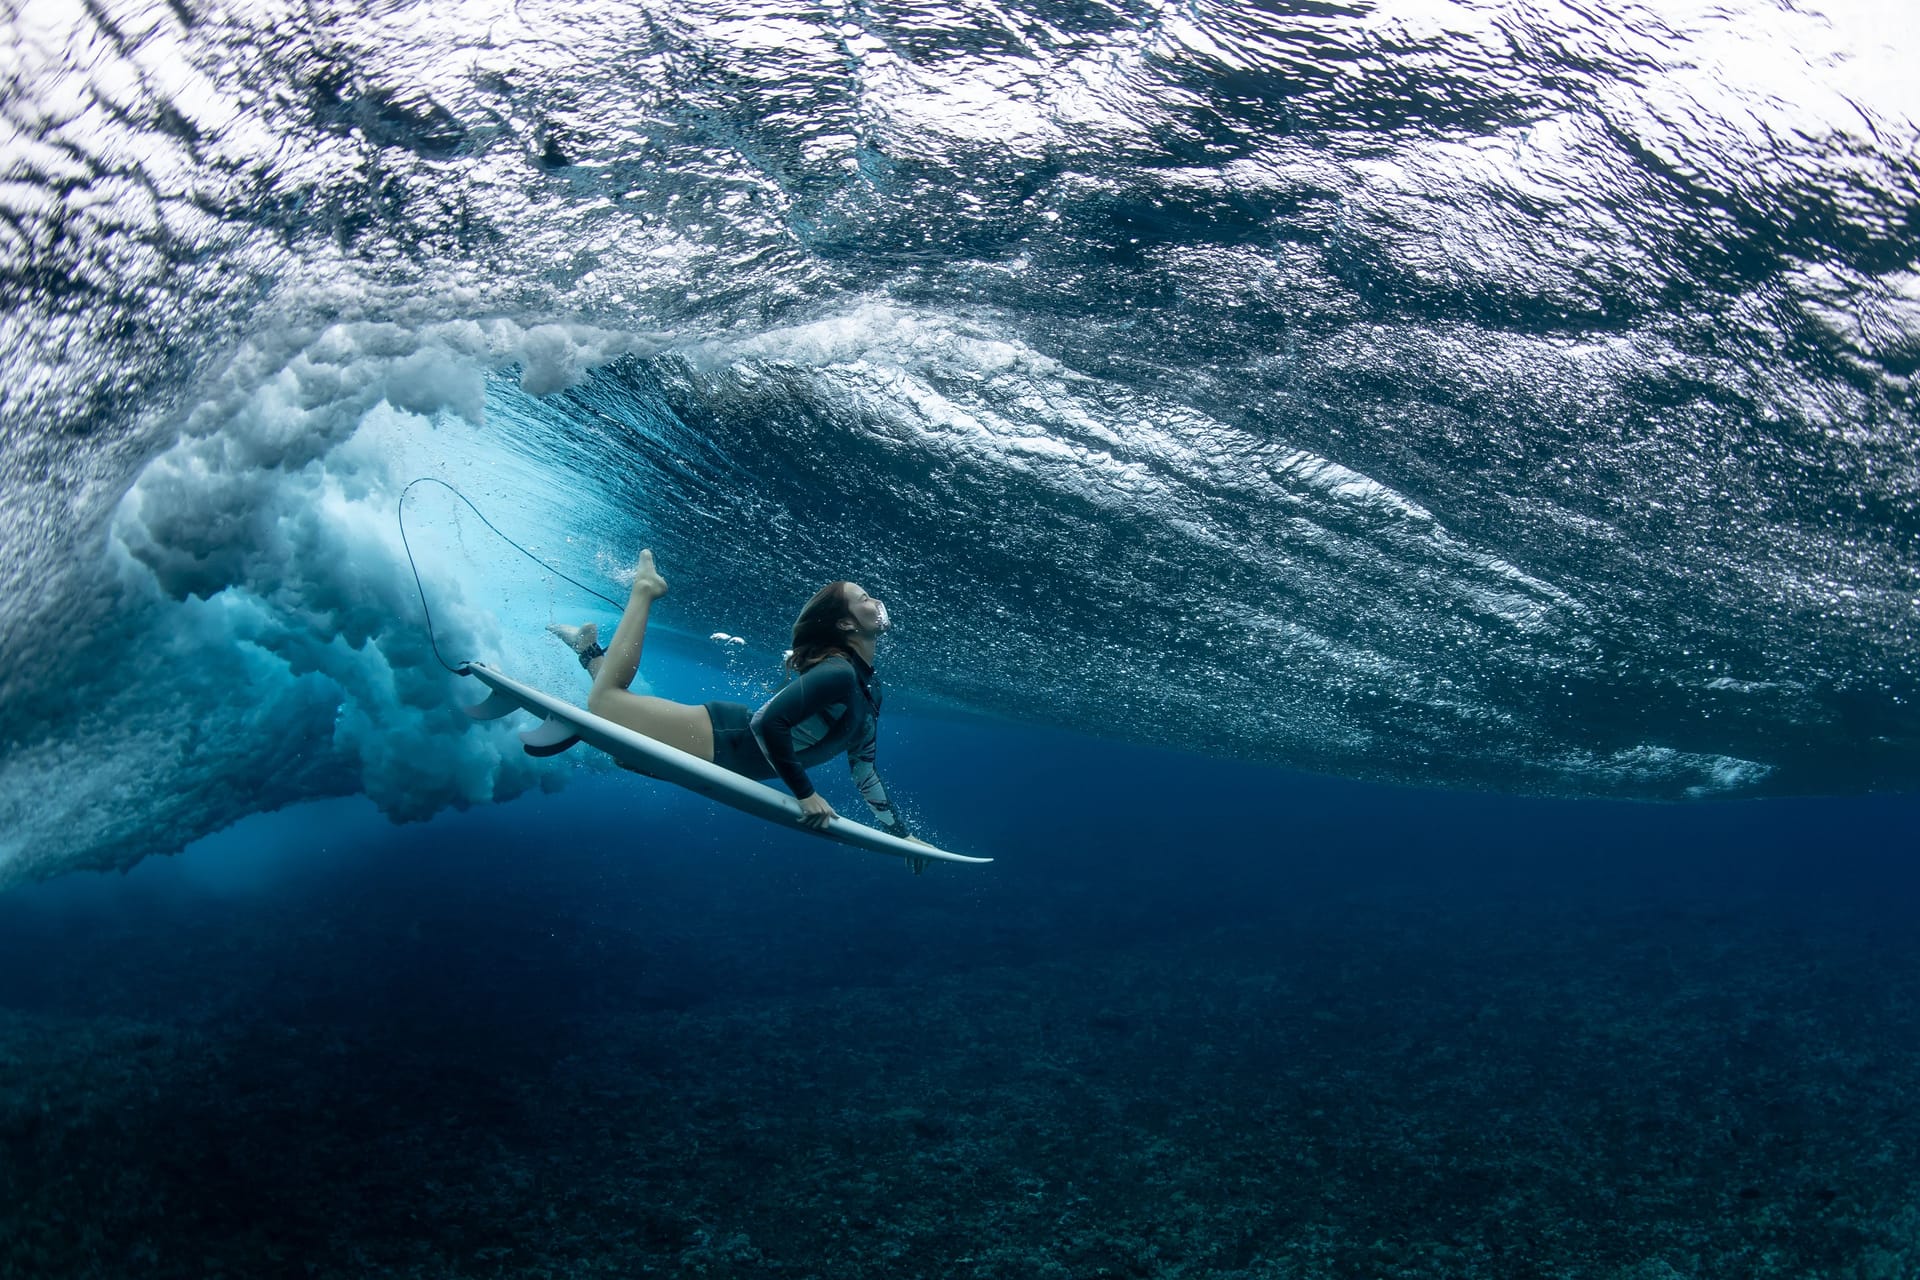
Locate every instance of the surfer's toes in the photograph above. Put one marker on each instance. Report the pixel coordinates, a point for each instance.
(579, 639)
(646, 579)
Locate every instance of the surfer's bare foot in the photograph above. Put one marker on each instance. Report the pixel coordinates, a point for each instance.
(647, 581)
(579, 639)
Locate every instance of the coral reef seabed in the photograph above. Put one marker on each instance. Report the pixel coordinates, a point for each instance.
(1416, 1094)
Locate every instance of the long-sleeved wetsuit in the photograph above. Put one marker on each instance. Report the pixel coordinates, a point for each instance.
(833, 707)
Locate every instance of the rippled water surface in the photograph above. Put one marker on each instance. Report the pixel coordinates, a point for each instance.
(1512, 396)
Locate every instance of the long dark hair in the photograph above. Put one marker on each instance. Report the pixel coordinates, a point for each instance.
(816, 632)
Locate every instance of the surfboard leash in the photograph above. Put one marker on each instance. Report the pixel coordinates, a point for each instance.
(432, 640)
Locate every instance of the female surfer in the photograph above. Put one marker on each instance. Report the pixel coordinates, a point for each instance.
(831, 706)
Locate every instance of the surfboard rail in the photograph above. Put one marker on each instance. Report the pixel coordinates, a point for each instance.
(561, 720)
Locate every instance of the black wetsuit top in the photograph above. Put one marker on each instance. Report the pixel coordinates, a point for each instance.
(833, 707)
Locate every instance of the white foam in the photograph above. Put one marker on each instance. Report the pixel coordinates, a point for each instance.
(1647, 768)
(266, 643)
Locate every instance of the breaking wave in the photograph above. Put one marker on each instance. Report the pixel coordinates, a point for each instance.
(1472, 396)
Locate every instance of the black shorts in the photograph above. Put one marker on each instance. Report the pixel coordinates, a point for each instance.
(734, 746)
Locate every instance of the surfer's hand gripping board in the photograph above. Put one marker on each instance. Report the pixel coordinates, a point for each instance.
(561, 721)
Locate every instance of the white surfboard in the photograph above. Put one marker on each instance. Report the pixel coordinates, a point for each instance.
(560, 721)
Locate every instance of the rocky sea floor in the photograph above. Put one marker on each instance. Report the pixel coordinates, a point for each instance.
(1342, 1089)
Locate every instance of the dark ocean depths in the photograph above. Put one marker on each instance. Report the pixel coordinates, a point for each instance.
(1403, 519)
(1199, 1019)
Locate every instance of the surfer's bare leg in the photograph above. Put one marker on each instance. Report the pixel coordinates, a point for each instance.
(583, 640)
(674, 723)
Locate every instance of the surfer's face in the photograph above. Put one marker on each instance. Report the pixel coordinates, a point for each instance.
(868, 614)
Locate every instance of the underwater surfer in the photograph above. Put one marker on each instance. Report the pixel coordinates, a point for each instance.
(830, 706)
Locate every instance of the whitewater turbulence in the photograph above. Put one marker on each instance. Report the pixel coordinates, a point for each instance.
(1492, 396)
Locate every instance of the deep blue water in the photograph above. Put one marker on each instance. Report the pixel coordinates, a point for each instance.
(1198, 1018)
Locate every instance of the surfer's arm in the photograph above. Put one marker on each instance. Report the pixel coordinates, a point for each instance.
(803, 696)
(860, 760)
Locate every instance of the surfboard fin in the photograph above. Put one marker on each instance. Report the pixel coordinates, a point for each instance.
(497, 704)
(549, 738)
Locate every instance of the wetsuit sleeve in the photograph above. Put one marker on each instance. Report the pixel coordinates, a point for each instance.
(860, 760)
(803, 696)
